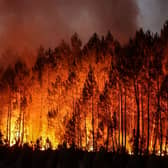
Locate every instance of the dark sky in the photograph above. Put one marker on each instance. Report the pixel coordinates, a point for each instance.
(29, 23)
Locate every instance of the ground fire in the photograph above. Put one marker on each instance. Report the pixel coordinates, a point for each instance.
(101, 95)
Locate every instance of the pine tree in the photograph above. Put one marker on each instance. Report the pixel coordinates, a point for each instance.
(89, 93)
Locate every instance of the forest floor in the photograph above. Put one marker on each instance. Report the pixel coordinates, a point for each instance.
(27, 158)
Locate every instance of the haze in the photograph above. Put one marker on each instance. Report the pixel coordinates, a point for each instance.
(27, 24)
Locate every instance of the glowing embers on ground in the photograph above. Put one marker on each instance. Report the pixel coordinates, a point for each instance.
(49, 137)
(44, 143)
(26, 131)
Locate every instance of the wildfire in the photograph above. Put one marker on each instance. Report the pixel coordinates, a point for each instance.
(103, 96)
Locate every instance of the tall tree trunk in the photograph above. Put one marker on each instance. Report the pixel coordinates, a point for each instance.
(142, 118)
(119, 123)
(41, 111)
(79, 128)
(97, 131)
(107, 142)
(7, 127)
(136, 89)
(160, 115)
(93, 132)
(108, 128)
(74, 116)
(125, 119)
(121, 110)
(23, 124)
(156, 131)
(85, 132)
(112, 137)
(148, 135)
(20, 118)
(10, 115)
(115, 134)
(166, 146)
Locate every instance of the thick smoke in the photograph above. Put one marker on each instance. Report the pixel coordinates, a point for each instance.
(29, 23)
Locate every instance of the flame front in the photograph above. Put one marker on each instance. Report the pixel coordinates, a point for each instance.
(84, 100)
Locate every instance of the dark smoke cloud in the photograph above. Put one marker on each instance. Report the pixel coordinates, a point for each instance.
(30, 23)
(89, 16)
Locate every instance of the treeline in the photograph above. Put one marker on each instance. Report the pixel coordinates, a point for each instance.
(93, 96)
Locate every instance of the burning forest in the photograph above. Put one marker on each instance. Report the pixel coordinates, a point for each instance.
(93, 96)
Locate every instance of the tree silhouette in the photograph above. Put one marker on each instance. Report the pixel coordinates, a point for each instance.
(76, 44)
(89, 92)
(70, 134)
(8, 82)
(131, 64)
(105, 115)
(157, 64)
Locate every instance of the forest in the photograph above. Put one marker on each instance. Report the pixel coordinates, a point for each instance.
(98, 96)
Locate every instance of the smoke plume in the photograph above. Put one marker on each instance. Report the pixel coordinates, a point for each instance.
(28, 23)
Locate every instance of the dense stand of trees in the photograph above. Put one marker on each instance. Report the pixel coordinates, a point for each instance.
(99, 95)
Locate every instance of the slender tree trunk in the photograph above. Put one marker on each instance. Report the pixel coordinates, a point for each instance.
(97, 131)
(166, 143)
(74, 136)
(112, 137)
(125, 119)
(107, 143)
(167, 128)
(79, 129)
(10, 115)
(119, 124)
(121, 109)
(108, 131)
(111, 131)
(166, 140)
(74, 116)
(156, 131)
(93, 132)
(20, 117)
(80, 136)
(48, 100)
(7, 127)
(158, 119)
(41, 111)
(142, 118)
(23, 122)
(85, 132)
(104, 141)
(8, 122)
(96, 118)
(160, 115)
(148, 136)
(136, 88)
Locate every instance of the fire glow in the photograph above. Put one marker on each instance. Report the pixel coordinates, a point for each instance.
(92, 97)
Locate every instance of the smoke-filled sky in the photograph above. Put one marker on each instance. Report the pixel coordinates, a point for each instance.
(30, 23)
